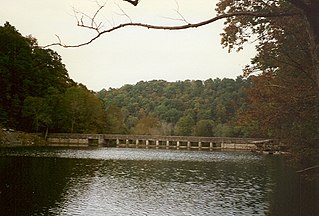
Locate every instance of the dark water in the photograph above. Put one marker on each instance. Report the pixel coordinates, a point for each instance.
(101, 181)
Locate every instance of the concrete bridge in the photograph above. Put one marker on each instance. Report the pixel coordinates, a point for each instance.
(161, 142)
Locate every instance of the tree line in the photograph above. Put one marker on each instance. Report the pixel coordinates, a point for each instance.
(37, 95)
(191, 107)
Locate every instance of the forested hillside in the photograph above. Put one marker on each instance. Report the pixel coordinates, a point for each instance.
(37, 93)
(192, 107)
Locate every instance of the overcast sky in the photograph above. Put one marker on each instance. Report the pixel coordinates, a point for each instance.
(132, 54)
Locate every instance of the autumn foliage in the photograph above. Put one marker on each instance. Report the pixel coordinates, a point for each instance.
(283, 101)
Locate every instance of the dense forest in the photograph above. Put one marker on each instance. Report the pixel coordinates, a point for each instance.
(191, 107)
(37, 94)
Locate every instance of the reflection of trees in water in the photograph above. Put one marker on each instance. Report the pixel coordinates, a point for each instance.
(309, 191)
(31, 184)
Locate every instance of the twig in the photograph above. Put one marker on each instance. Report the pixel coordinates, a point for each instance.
(123, 13)
(96, 13)
(177, 11)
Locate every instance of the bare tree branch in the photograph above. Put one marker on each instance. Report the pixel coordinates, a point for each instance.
(58, 38)
(93, 24)
(178, 27)
(100, 8)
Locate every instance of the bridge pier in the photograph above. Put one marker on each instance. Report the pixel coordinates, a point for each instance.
(100, 140)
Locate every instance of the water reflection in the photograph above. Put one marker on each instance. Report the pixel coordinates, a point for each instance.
(144, 182)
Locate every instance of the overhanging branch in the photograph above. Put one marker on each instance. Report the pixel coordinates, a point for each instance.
(179, 27)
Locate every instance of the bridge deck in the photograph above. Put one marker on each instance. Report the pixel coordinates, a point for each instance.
(167, 142)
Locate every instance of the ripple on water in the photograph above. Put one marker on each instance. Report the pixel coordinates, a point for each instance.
(132, 154)
(104, 181)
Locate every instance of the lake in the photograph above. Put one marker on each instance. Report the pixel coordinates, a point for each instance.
(115, 181)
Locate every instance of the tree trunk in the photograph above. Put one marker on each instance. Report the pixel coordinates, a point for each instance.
(312, 15)
(310, 10)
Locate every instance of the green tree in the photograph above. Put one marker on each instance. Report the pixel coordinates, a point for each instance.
(49, 71)
(184, 126)
(83, 111)
(167, 113)
(26, 70)
(223, 130)
(204, 128)
(115, 121)
(38, 109)
(15, 68)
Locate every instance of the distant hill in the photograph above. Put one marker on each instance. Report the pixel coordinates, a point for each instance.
(191, 107)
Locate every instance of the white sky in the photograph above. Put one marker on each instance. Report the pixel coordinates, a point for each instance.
(132, 54)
